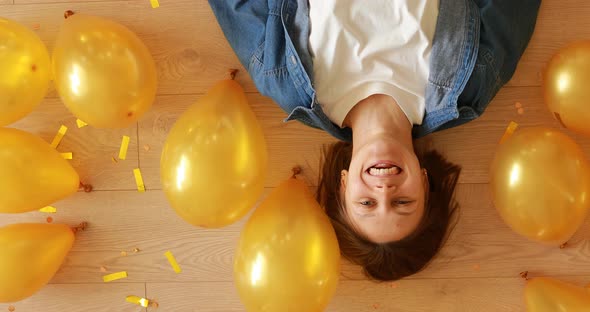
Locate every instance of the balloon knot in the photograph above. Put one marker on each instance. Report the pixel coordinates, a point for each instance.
(87, 187)
(81, 227)
(68, 13)
(296, 170)
(525, 275)
(232, 73)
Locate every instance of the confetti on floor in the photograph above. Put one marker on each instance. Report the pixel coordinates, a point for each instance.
(124, 147)
(138, 300)
(36, 26)
(103, 269)
(136, 250)
(123, 254)
(114, 276)
(60, 134)
(139, 180)
(376, 306)
(393, 285)
(520, 111)
(48, 209)
(146, 148)
(49, 219)
(80, 123)
(509, 131)
(172, 261)
(155, 4)
(68, 156)
(517, 105)
(114, 160)
(11, 309)
(154, 304)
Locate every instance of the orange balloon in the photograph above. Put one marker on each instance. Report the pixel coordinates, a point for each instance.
(540, 182)
(32, 173)
(213, 165)
(104, 73)
(31, 255)
(550, 295)
(566, 89)
(288, 257)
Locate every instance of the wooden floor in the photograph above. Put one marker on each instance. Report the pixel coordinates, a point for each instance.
(477, 270)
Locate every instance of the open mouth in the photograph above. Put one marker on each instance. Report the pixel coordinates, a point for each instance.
(384, 170)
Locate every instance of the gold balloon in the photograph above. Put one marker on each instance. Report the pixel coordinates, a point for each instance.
(288, 257)
(31, 255)
(103, 72)
(32, 173)
(566, 86)
(550, 295)
(24, 71)
(540, 183)
(213, 165)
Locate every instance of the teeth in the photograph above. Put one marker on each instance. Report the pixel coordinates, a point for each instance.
(383, 171)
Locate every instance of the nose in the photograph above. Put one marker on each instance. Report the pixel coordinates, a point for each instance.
(385, 186)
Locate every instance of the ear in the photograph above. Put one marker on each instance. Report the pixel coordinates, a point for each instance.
(425, 181)
(343, 175)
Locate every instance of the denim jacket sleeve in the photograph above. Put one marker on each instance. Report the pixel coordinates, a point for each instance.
(242, 23)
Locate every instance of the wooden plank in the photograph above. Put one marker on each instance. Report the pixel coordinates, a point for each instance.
(192, 52)
(92, 148)
(457, 295)
(81, 298)
(3, 2)
(480, 245)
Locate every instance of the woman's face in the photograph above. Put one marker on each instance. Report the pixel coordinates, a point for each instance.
(384, 190)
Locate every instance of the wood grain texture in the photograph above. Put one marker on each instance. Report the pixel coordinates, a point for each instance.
(81, 298)
(480, 245)
(463, 295)
(93, 149)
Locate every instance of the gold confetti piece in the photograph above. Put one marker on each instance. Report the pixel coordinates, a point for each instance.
(124, 147)
(114, 276)
(49, 219)
(517, 105)
(172, 261)
(509, 131)
(114, 160)
(139, 180)
(138, 300)
(155, 4)
(68, 156)
(154, 304)
(103, 269)
(60, 134)
(136, 250)
(520, 111)
(11, 308)
(80, 123)
(48, 209)
(393, 285)
(146, 148)
(123, 254)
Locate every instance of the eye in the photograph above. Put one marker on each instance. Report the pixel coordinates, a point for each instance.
(367, 203)
(402, 202)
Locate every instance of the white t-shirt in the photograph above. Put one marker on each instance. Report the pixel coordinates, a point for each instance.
(361, 48)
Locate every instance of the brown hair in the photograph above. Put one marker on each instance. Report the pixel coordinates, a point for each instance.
(397, 259)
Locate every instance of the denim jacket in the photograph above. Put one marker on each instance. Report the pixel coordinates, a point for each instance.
(475, 50)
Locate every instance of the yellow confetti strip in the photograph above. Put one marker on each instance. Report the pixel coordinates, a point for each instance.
(139, 180)
(155, 4)
(124, 147)
(509, 131)
(48, 209)
(60, 134)
(114, 276)
(172, 261)
(80, 123)
(67, 155)
(138, 300)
